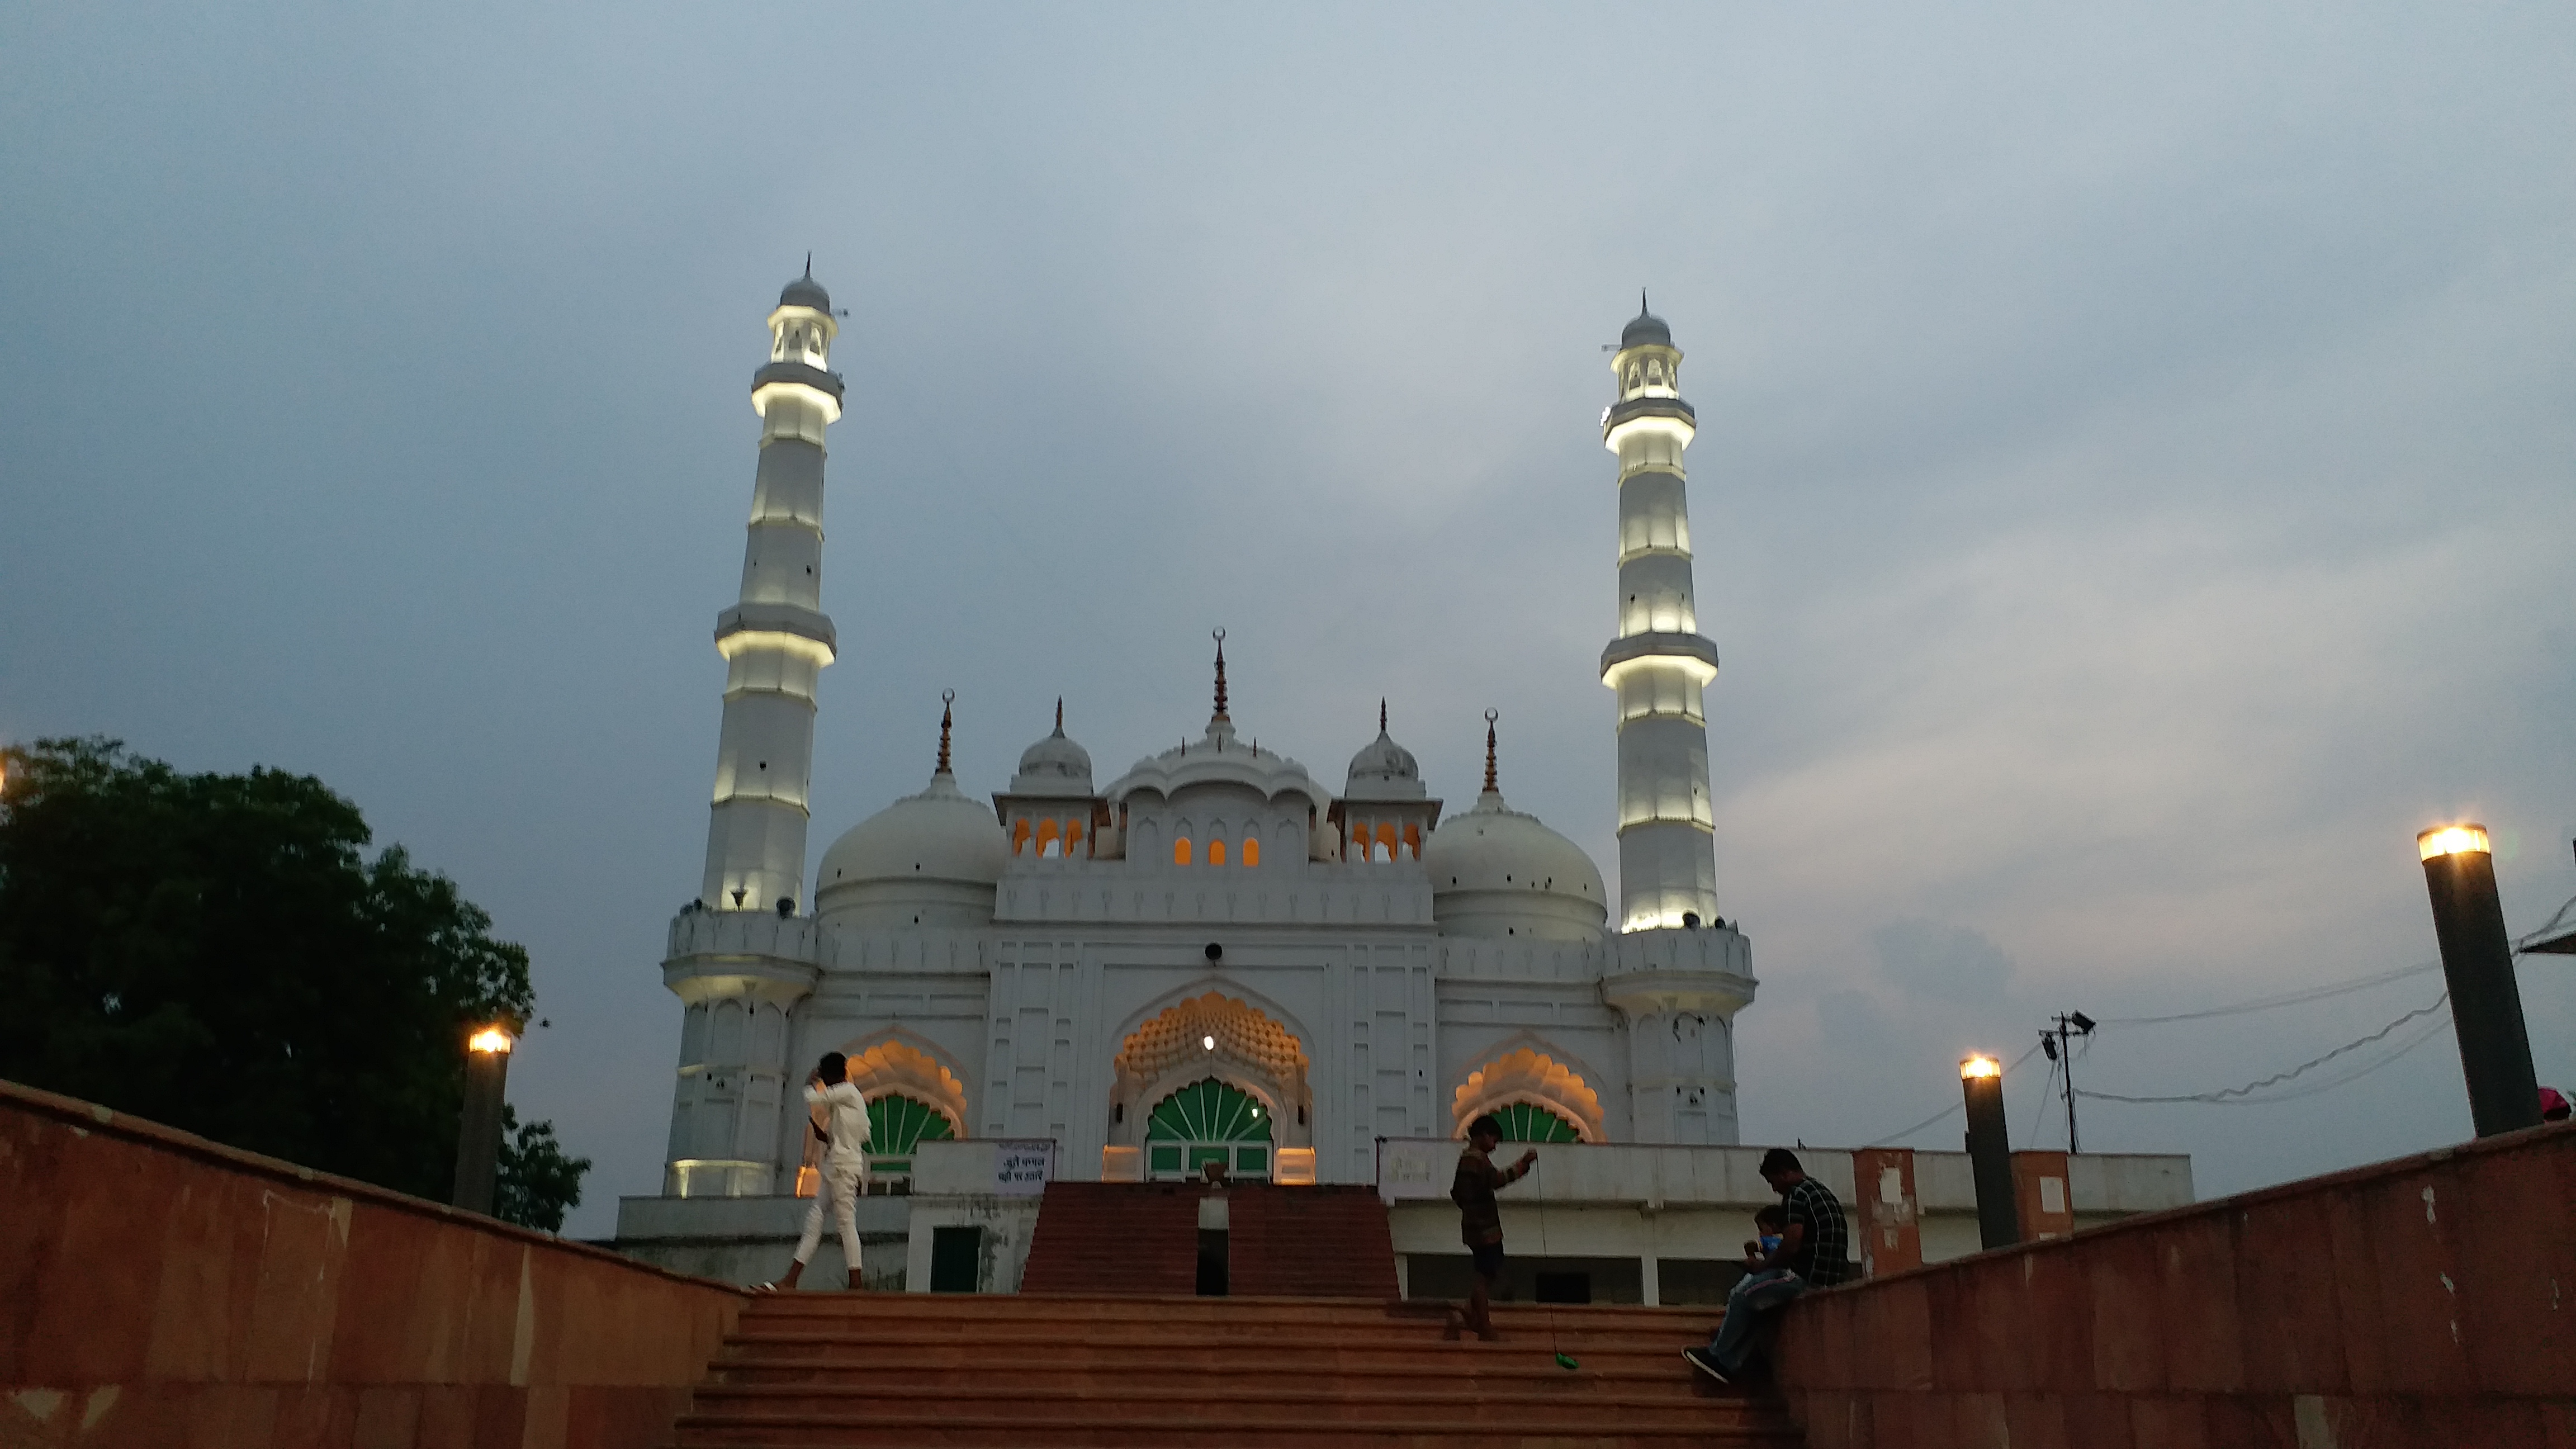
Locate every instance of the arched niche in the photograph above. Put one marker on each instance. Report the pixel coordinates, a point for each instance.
(1211, 1036)
(1526, 1074)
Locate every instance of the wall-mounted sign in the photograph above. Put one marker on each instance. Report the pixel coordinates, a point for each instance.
(1021, 1169)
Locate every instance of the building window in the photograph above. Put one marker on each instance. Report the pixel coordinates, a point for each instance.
(1216, 852)
(1530, 1122)
(1181, 851)
(1208, 1121)
(1251, 851)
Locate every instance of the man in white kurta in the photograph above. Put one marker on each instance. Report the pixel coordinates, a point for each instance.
(837, 1123)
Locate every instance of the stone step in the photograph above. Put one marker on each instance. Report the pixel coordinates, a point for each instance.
(1435, 1405)
(1656, 1375)
(954, 1432)
(1181, 1347)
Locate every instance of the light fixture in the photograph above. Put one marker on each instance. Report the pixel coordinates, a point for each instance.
(1980, 1065)
(1256, 1111)
(2453, 840)
(490, 1039)
(1207, 1043)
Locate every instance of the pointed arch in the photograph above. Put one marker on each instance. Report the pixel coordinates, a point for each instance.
(1211, 1029)
(896, 1061)
(1526, 1070)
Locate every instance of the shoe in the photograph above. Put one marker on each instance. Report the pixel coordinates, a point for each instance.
(1705, 1362)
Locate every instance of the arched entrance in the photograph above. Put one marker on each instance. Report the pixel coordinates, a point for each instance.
(1210, 1078)
(1207, 1121)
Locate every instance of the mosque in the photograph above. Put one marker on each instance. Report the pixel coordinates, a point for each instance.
(1213, 958)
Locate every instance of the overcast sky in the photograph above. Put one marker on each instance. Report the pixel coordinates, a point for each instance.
(2133, 493)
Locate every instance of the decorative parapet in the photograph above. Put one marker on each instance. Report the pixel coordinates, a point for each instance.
(745, 953)
(1708, 969)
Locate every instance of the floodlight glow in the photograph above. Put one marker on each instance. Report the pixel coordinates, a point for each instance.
(2453, 840)
(491, 1039)
(1980, 1065)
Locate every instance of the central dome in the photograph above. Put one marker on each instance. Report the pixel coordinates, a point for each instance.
(1498, 872)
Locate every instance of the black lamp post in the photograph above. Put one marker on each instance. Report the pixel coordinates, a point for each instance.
(478, 1130)
(1989, 1152)
(2477, 961)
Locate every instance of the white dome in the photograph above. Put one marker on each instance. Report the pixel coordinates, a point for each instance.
(1383, 770)
(1054, 765)
(1497, 872)
(934, 857)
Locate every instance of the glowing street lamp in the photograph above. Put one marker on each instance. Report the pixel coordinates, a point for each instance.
(478, 1128)
(2477, 962)
(1981, 1077)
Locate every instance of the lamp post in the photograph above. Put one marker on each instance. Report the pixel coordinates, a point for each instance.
(2477, 962)
(478, 1129)
(1981, 1077)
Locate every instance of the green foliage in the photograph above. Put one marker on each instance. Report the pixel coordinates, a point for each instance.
(538, 1184)
(216, 952)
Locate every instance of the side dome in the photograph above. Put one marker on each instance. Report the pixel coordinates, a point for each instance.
(805, 292)
(930, 859)
(1498, 872)
(1644, 329)
(1054, 765)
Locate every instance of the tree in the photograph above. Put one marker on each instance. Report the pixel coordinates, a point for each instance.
(538, 1183)
(218, 953)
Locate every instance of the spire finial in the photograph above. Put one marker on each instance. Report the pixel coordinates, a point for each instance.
(1641, 302)
(1219, 636)
(809, 266)
(1059, 716)
(1381, 714)
(947, 716)
(1491, 715)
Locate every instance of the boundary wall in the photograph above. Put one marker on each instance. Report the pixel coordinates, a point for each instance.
(2429, 1300)
(159, 1289)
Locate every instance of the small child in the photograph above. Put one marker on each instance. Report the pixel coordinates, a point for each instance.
(1768, 1225)
(1480, 1218)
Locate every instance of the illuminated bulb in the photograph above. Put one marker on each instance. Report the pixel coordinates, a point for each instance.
(490, 1039)
(2453, 840)
(1207, 1043)
(1980, 1066)
(1256, 1111)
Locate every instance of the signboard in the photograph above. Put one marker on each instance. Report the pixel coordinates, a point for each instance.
(1021, 1169)
(1415, 1167)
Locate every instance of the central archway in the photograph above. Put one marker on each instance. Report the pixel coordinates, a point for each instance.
(1211, 1078)
(1208, 1121)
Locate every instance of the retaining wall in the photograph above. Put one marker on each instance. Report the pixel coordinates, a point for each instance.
(159, 1289)
(2430, 1300)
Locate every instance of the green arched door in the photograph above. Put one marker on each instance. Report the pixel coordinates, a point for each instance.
(1530, 1122)
(1207, 1121)
(896, 1125)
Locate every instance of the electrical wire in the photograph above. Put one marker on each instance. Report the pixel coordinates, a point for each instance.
(2241, 1096)
(2291, 998)
(1945, 1113)
(2523, 945)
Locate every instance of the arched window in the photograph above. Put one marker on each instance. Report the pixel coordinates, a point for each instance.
(1050, 844)
(1216, 852)
(1251, 851)
(898, 1124)
(1530, 1122)
(1208, 1121)
(1019, 837)
(1181, 851)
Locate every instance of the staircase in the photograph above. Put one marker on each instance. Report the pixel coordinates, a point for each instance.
(1115, 1237)
(1162, 1373)
(1309, 1242)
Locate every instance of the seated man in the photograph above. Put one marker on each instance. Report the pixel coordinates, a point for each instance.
(1811, 1252)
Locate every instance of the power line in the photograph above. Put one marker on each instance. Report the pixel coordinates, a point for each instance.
(2291, 998)
(2240, 1096)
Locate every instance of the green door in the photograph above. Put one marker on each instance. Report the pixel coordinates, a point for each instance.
(1206, 1122)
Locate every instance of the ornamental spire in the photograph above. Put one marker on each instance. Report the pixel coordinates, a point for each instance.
(1059, 716)
(1490, 716)
(1219, 636)
(1381, 714)
(947, 717)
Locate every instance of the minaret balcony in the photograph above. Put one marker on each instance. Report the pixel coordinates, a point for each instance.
(1686, 651)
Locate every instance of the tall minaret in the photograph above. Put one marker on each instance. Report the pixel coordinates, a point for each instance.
(777, 640)
(1658, 663)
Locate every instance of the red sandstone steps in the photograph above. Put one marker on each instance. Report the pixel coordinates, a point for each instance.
(1166, 1373)
(1141, 1239)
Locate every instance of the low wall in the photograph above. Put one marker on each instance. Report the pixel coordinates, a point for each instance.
(158, 1289)
(2427, 1300)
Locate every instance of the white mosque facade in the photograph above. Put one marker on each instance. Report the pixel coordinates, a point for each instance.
(1069, 960)
(1213, 956)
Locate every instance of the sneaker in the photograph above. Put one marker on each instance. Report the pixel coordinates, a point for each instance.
(1705, 1362)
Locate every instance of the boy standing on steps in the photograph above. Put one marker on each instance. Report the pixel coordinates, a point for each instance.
(1480, 1218)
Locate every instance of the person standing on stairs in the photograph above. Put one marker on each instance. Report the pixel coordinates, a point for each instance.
(837, 1117)
(1480, 1218)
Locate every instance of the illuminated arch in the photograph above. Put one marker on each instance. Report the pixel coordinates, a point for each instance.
(1213, 1035)
(898, 1068)
(1181, 850)
(1251, 850)
(1216, 852)
(1533, 1077)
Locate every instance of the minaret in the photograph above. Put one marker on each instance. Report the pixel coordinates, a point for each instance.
(1658, 663)
(777, 639)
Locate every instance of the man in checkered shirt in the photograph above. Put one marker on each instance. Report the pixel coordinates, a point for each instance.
(1814, 1252)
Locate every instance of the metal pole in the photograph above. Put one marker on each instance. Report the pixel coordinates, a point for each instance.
(478, 1128)
(2477, 961)
(1989, 1152)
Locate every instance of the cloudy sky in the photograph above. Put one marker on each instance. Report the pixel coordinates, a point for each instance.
(2132, 497)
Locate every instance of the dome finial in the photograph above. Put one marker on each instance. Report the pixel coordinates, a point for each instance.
(1219, 636)
(1059, 716)
(1381, 714)
(809, 269)
(947, 716)
(1491, 715)
(1642, 309)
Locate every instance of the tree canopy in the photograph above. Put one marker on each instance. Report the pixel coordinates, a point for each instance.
(218, 953)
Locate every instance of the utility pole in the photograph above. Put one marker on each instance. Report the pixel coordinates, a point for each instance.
(2054, 1040)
